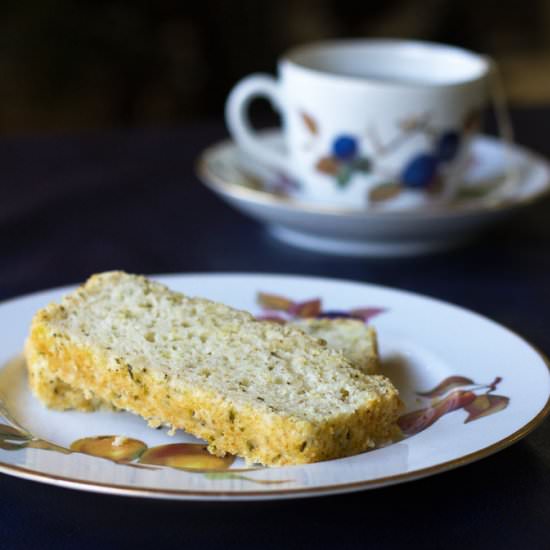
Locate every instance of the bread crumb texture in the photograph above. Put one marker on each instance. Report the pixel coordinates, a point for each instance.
(267, 392)
(353, 337)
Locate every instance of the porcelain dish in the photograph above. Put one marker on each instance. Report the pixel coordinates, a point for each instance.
(466, 397)
(500, 181)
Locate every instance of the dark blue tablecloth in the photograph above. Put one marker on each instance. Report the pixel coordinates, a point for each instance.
(71, 206)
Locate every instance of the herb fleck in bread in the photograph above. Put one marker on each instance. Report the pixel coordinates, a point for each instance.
(269, 393)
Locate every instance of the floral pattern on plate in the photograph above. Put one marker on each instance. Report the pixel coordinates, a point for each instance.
(453, 393)
(454, 415)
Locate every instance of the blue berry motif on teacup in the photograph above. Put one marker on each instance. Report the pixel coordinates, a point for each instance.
(344, 147)
(344, 160)
(423, 172)
(447, 145)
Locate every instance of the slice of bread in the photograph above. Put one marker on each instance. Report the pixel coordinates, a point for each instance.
(356, 340)
(266, 392)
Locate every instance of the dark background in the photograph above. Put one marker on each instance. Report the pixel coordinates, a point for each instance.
(68, 65)
(96, 198)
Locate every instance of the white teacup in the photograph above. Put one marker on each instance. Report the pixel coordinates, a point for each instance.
(369, 122)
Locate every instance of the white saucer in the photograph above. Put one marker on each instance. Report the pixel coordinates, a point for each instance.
(267, 196)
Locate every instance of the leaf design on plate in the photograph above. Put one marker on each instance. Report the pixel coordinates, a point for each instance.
(274, 302)
(366, 313)
(448, 384)
(11, 433)
(311, 308)
(328, 165)
(309, 123)
(417, 421)
(493, 385)
(385, 192)
(9, 446)
(12, 439)
(484, 405)
(47, 446)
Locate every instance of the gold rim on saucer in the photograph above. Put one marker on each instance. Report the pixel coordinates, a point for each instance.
(261, 197)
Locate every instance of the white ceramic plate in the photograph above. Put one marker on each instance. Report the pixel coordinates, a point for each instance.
(270, 197)
(503, 388)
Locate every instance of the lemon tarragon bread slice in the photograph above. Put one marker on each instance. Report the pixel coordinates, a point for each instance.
(266, 392)
(357, 342)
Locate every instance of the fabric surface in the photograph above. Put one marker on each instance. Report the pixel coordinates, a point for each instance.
(73, 205)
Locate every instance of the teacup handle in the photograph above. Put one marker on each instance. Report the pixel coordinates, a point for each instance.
(238, 122)
(504, 127)
(505, 132)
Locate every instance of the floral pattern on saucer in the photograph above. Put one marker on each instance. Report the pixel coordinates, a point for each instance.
(452, 394)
